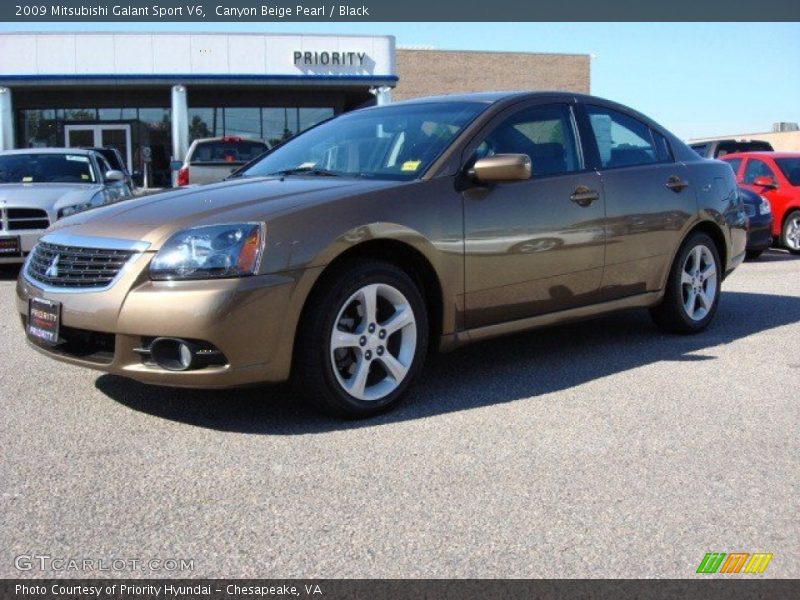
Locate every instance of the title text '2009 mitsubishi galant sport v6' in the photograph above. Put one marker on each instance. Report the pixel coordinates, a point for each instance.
(340, 257)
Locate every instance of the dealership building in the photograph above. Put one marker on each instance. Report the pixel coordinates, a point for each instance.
(151, 94)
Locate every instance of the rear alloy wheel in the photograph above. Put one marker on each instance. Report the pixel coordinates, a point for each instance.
(693, 287)
(790, 235)
(363, 342)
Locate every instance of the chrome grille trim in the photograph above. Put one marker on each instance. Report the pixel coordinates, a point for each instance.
(21, 219)
(84, 264)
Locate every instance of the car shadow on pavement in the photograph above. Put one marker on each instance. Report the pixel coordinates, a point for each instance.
(776, 255)
(522, 366)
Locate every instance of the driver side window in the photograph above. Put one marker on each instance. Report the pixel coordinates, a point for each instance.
(545, 133)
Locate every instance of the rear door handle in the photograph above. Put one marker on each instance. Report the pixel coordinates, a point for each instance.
(583, 196)
(676, 184)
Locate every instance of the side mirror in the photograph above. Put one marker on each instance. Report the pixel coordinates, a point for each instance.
(502, 167)
(115, 175)
(765, 182)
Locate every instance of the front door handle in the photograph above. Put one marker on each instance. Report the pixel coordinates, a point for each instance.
(676, 184)
(583, 196)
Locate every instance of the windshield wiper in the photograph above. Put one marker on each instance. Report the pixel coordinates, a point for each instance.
(307, 171)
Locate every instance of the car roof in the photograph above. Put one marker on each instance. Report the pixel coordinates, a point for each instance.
(494, 97)
(80, 151)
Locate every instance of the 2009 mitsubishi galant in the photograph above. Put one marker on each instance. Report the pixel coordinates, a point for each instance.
(341, 256)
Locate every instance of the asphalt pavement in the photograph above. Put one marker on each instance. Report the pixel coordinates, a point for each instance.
(599, 449)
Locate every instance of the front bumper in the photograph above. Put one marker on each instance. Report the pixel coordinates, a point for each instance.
(759, 234)
(27, 240)
(251, 320)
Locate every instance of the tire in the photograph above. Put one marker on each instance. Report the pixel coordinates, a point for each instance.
(790, 233)
(753, 254)
(373, 366)
(692, 292)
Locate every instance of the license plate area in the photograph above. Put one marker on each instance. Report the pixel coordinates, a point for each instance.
(9, 246)
(44, 320)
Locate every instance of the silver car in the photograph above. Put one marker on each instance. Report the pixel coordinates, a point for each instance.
(38, 186)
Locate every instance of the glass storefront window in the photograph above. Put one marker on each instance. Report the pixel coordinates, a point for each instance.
(40, 128)
(279, 124)
(80, 114)
(308, 117)
(205, 122)
(243, 122)
(152, 128)
(117, 114)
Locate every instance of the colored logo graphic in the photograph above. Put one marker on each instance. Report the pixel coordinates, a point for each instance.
(737, 562)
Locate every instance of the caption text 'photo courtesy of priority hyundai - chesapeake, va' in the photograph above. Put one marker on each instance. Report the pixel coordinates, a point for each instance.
(341, 257)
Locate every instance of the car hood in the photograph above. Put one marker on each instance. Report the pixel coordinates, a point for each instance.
(155, 218)
(45, 195)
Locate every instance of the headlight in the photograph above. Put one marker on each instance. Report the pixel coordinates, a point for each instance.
(210, 252)
(765, 208)
(75, 208)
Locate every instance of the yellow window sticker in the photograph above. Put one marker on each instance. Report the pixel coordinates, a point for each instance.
(307, 165)
(84, 176)
(410, 165)
(27, 179)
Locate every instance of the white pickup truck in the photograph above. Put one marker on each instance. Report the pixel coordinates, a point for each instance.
(213, 159)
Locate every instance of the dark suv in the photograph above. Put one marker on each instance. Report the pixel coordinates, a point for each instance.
(717, 148)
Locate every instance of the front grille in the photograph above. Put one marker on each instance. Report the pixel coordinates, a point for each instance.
(26, 218)
(750, 210)
(75, 267)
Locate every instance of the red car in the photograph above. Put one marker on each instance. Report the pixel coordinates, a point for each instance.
(776, 176)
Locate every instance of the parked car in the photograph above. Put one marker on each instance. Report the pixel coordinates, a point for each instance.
(340, 256)
(116, 161)
(759, 230)
(38, 186)
(776, 176)
(209, 160)
(720, 148)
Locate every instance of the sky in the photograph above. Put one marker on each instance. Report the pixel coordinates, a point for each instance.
(696, 79)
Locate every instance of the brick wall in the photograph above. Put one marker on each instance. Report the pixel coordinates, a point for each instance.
(432, 72)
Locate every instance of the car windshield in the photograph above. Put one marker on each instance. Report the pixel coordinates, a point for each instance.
(226, 150)
(392, 142)
(790, 167)
(46, 168)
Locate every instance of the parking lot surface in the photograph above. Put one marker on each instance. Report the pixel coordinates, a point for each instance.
(599, 449)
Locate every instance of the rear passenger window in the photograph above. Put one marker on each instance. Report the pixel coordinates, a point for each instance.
(622, 141)
(227, 150)
(545, 133)
(734, 163)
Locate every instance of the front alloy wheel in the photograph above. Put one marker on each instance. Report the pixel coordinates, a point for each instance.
(373, 342)
(791, 232)
(362, 340)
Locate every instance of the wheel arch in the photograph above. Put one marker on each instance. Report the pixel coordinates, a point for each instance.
(405, 257)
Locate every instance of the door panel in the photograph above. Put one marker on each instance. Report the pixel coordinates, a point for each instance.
(530, 250)
(649, 201)
(645, 224)
(533, 247)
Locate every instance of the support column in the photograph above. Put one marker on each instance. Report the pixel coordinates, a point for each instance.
(383, 94)
(180, 126)
(6, 120)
